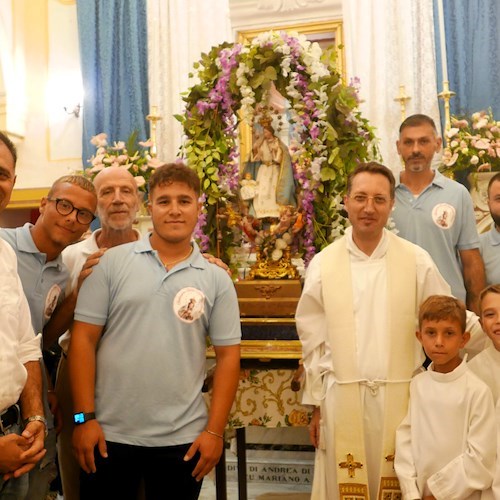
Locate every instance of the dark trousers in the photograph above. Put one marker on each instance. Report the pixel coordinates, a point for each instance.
(162, 469)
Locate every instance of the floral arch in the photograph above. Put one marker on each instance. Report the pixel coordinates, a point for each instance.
(332, 135)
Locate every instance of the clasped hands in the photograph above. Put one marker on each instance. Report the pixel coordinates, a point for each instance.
(20, 453)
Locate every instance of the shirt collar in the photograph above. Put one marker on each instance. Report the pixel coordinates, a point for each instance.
(26, 244)
(196, 259)
(378, 253)
(494, 236)
(438, 180)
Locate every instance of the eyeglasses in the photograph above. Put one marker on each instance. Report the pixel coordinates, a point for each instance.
(65, 207)
(362, 199)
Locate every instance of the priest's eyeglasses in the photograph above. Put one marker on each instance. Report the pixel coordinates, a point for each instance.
(362, 199)
(65, 207)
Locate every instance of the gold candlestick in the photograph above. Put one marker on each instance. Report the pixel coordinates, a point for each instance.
(153, 117)
(402, 98)
(446, 95)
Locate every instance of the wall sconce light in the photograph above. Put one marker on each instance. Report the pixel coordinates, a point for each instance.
(75, 111)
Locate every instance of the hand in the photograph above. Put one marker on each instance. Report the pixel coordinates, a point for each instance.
(35, 433)
(12, 447)
(85, 438)
(314, 427)
(210, 448)
(86, 271)
(217, 262)
(31, 443)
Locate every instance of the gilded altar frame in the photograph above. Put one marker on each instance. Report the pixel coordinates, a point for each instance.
(325, 33)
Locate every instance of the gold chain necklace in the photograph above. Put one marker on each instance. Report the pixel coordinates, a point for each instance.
(168, 264)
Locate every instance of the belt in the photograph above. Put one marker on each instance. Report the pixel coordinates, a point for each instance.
(8, 418)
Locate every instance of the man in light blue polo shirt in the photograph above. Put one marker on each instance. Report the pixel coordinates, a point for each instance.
(65, 214)
(436, 213)
(137, 355)
(490, 241)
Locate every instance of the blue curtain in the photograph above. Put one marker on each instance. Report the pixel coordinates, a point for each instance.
(473, 53)
(113, 48)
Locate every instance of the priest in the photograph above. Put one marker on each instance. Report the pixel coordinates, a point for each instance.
(356, 320)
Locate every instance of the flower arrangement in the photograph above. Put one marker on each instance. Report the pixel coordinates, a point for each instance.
(131, 155)
(332, 136)
(474, 144)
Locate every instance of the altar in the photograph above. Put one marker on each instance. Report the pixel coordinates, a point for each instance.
(268, 395)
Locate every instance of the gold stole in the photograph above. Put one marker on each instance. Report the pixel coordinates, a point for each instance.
(401, 304)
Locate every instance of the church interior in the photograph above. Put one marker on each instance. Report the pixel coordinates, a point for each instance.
(76, 72)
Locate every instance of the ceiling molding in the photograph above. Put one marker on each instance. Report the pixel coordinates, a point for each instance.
(254, 14)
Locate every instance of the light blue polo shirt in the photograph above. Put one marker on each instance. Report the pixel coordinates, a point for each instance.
(150, 362)
(440, 220)
(490, 250)
(43, 282)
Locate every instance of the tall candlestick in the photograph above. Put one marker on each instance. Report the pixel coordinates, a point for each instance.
(402, 98)
(153, 117)
(442, 41)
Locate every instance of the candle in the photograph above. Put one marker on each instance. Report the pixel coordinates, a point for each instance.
(154, 110)
(442, 40)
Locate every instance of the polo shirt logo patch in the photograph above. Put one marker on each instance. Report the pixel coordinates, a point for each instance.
(51, 301)
(444, 215)
(189, 304)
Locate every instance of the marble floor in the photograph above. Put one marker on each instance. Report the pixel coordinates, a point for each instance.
(255, 490)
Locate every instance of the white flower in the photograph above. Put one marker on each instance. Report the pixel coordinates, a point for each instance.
(474, 160)
(281, 243)
(277, 254)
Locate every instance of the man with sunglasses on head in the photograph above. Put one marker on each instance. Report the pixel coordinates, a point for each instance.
(65, 214)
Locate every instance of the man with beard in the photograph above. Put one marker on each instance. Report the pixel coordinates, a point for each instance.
(490, 241)
(436, 213)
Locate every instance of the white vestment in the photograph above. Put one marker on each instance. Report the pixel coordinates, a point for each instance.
(486, 365)
(369, 285)
(446, 446)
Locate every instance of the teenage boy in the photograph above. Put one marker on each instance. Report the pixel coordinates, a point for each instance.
(137, 366)
(446, 446)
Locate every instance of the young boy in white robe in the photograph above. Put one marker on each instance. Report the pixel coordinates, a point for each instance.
(486, 365)
(446, 445)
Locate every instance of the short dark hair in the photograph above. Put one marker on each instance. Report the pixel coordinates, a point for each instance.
(4, 138)
(416, 121)
(175, 172)
(486, 291)
(372, 167)
(441, 307)
(495, 178)
(77, 180)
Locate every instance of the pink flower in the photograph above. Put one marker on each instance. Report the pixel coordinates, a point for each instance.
(99, 140)
(485, 167)
(139, 180)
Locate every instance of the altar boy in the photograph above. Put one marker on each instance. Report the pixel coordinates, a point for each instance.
(486, 365)
(446, 446)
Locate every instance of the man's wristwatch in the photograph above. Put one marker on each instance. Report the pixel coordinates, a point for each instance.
(81, 418)
(37, 418)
